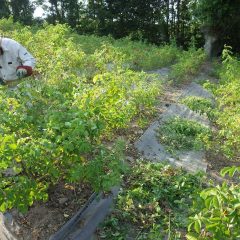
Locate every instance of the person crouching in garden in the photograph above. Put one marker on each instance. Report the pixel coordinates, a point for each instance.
(15, 61)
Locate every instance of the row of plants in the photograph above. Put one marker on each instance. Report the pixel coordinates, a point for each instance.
(217, 209)
(228, 100)
(54, 125)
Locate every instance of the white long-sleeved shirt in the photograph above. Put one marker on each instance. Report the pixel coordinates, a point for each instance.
(14, 55)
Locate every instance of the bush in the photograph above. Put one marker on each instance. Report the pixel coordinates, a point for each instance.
(188, 64)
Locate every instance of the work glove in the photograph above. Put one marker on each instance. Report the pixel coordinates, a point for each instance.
(21, 72)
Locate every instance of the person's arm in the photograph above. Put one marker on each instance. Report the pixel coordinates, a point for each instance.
(27, 60)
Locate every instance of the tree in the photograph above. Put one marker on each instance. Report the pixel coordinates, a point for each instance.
(221, 18)
(22, 11)
(4, 10)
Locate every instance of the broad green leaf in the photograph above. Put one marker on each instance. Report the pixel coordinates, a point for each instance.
(197, 226)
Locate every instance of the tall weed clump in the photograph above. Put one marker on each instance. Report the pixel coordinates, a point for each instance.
(142, 56)
(53, 123)
(228, 99)
(187, 65)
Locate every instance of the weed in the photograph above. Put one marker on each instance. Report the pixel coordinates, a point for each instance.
(216, 212)
(187, 65)
(154, 203)
(199, 105)
(181, 134)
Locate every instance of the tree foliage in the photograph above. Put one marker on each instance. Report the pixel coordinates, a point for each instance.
(223, 18)
(21, 10)
(156, 21)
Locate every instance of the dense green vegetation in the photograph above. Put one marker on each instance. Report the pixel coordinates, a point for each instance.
(154, 203)
(200, 105)
(216, 211)
(52, 126)
(60, 125)
(228, 99)
(188, 65)
(160, 202)
(214, 207)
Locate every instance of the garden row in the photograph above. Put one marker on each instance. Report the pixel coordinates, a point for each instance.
(54, 125)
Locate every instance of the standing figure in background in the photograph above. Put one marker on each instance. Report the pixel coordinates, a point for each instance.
(15, 61)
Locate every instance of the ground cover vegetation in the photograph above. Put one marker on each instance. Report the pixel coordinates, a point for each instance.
(154, 203)
(160, 202)
(182, 134)
(200, 105)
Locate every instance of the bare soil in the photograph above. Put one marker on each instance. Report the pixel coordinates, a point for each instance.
(44, 219)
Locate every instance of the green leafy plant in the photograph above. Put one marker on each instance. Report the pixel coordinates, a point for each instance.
(53, 124)
(200, 105)
(228, 105)
(153, 203)
(217, 212)
(187, 65)
(181, 134)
